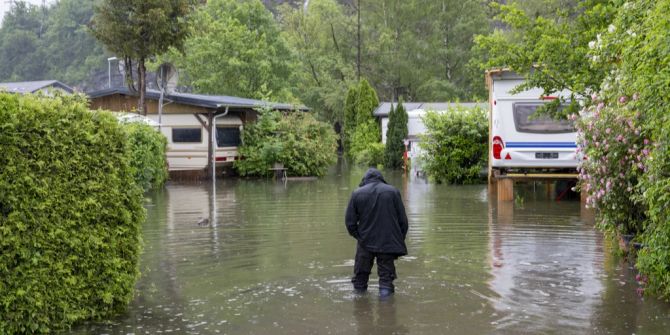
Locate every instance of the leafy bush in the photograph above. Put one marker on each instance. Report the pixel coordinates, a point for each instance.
(365, 145)
(395, 136)
(147, 155)
(372, 156)
(70, 214)
(637, 43)
(455, 145)
(615, 151)
(634, 49)
(304, 145)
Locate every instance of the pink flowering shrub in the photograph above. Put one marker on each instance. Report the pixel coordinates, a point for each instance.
(615, 152)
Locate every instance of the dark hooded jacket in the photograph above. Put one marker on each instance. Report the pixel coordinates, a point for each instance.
(376, 216)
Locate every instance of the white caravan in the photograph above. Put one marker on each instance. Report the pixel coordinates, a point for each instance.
(187, 140)
(519, 142)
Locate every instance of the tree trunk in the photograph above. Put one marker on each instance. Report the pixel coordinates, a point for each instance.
(358, 44)
(142, 106)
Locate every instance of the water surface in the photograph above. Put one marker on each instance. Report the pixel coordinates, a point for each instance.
(266, 257)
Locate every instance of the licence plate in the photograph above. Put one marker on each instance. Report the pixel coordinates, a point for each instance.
(546, 155)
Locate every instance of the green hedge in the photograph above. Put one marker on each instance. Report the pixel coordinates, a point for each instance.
(454, 146)
(147, 151)
(70, 214)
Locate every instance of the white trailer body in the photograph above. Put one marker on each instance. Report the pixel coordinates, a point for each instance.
(519, 141)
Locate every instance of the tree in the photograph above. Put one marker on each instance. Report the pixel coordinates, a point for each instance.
(21, 38)
(236, 49)
(320, 36)
(138, 30)
(395, 136)
(349, 117)
(364, 131)
(551, 52)
(421, 50)
(72, 53)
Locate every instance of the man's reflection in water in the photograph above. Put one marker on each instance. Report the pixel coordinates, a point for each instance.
(374, 316)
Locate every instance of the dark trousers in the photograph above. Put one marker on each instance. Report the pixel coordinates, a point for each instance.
(363, 267)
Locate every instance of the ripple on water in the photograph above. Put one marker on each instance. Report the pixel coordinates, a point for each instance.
(276, 258)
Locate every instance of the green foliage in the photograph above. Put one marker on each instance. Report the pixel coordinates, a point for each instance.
(360, 128)
(72, 53)
(52, 42)
(321, 37)
(304, 145)
(349, 125)
(371, 156)
(236, 49)
(366, 147)
(611, 139)
(551, 52)
(455, 145)
(366, 103)
(396, 134)
(21, 54)
(147, 155)
(417, 48)
(140, 29)
(70, 215)
(635, 46)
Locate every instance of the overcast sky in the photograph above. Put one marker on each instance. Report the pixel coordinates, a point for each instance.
(5, 4)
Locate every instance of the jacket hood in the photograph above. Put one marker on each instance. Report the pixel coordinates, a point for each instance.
(372, 176)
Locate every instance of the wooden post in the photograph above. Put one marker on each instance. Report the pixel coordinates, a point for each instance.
(583, 196)
(505, 189)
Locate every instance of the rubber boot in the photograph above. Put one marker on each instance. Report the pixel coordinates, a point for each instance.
(385, 292)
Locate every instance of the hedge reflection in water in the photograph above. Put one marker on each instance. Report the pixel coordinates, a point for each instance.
(275, 257)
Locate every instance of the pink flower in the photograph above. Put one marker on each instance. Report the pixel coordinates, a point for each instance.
(600, 106)
(594, 96)
(622, 99)
(645, 152)
(636, 96)
(608, 130)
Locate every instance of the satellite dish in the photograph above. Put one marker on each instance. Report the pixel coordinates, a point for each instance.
(167, 77)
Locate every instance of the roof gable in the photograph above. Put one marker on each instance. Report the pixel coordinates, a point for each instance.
(25, 87)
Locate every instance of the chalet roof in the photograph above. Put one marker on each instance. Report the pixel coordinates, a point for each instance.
(385, 107)
(200, 100)
(25, 87)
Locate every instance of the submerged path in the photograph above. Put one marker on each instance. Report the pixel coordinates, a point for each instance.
(263, 257)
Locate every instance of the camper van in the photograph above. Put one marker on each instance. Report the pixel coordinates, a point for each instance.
(520, 141)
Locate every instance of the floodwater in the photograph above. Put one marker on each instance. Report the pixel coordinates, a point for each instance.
(275, 258)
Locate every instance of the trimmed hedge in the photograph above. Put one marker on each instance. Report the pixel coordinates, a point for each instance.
(70, 214)
(147, 152)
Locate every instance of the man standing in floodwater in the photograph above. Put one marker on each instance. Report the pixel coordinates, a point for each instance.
(376, 219)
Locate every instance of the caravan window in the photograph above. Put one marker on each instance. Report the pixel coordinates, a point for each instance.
(525, 122)
(186, 135)
(228, 136)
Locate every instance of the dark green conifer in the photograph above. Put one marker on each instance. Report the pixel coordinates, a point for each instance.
(395, 136)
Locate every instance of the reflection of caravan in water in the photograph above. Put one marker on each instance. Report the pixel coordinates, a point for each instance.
(520, 141)
(186, 121)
